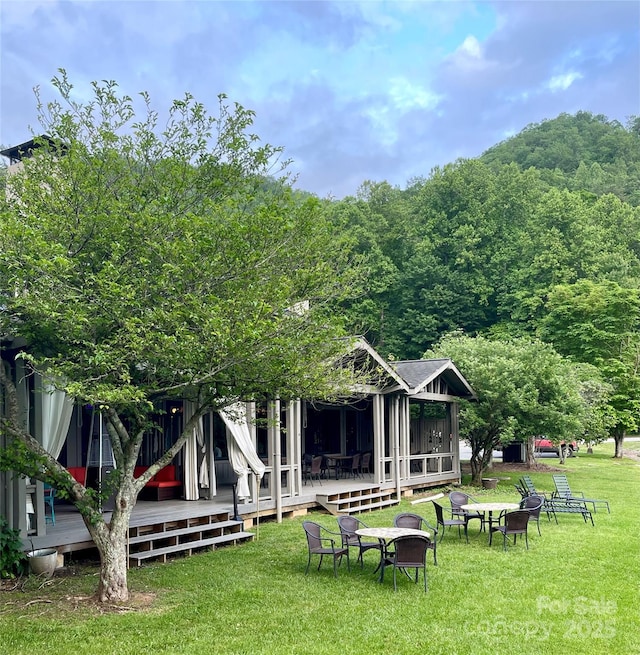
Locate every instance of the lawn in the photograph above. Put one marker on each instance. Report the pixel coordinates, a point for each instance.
(574, 591)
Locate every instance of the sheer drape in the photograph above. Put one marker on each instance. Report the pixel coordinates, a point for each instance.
(57, 408)
(242, 452)
(194, 476)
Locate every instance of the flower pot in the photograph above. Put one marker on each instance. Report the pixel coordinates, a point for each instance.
(489, 483)
(43, 561)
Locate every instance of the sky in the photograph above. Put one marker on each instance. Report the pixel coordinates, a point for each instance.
(353, 91)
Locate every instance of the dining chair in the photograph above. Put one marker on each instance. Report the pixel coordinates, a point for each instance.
(512, 523)
(534, 505)
(457, 499)
(409, 552)
(365, 464)
(49, 500)
(314, 470)
(445, 523)
(320, 541)
(353, 468)
(417, 522)
(348, 526)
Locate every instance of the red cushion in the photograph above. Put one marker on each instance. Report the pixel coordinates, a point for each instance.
(167, 474)
(139, 470)
(79, 473)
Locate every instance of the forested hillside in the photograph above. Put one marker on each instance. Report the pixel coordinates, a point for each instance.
(581, 153)
(480, 244)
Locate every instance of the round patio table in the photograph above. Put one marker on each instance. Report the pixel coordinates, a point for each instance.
(490, 508)
(385, 535)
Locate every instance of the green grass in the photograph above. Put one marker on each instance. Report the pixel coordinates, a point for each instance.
(574, 591)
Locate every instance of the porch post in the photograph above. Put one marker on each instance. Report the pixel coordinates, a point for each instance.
(273, 416)
(209, 459)
(254, 486)
(454, 409)
(294, 434)
(405, 440)
(394, 423)
(378, 437)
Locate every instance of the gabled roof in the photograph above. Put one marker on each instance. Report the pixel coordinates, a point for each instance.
(429, 378)
(384, 376)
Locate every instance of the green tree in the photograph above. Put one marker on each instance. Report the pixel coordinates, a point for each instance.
(142, 263)
(599, 323)
(524, 388)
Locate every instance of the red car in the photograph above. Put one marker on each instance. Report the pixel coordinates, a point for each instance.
(547, 446)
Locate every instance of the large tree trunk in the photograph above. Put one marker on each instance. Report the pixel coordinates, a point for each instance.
(530, 454)
(618, 438)
(111, 542)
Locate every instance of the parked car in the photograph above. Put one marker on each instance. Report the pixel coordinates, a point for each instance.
(543, 445)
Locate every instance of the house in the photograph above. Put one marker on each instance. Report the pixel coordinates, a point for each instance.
(405, 419)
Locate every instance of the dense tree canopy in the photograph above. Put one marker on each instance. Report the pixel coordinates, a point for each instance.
(599, 323)
(524, 388)
(482, 245)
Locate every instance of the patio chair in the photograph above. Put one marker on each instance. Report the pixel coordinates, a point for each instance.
(408, 553)
(365, 464)
(440, 510)
(417, 522)
(511, 523)
(457, 498)
(521, 490)
(314, 470)
(534, 505)
(563, 490)
(49, 500)
(324, 468)
(348, 526)
(352, 467)
(306, 462)
(320, 541)
(527, 484)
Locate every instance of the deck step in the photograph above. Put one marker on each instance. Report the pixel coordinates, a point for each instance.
(160, 539)
(189, 546)
(179, 532)
(357, 500)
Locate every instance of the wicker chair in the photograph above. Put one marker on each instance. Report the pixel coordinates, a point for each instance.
(348, 526)
(440, 510)
(417, 522)
(514, 523)
(352, 466)
(365, 464)
(408, 553)
(534, 505)
(457, 499)
(321, 542)
(314, 470)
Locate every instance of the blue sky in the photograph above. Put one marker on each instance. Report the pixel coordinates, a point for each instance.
(353, 91)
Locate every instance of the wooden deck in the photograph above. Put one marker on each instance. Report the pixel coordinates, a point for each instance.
(69, 534)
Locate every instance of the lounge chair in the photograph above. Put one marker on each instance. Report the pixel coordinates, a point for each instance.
(563, 490)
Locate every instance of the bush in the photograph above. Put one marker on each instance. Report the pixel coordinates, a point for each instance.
(13, 561)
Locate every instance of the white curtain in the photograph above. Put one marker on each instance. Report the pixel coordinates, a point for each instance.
(194, 477)
(242, 452)
(57, 408)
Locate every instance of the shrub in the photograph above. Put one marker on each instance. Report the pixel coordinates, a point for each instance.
(13, 561)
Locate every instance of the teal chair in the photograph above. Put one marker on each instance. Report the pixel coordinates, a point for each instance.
(49, 499)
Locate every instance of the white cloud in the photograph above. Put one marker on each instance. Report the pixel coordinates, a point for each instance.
(564, 81)
(406, 95)
(469, 56)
